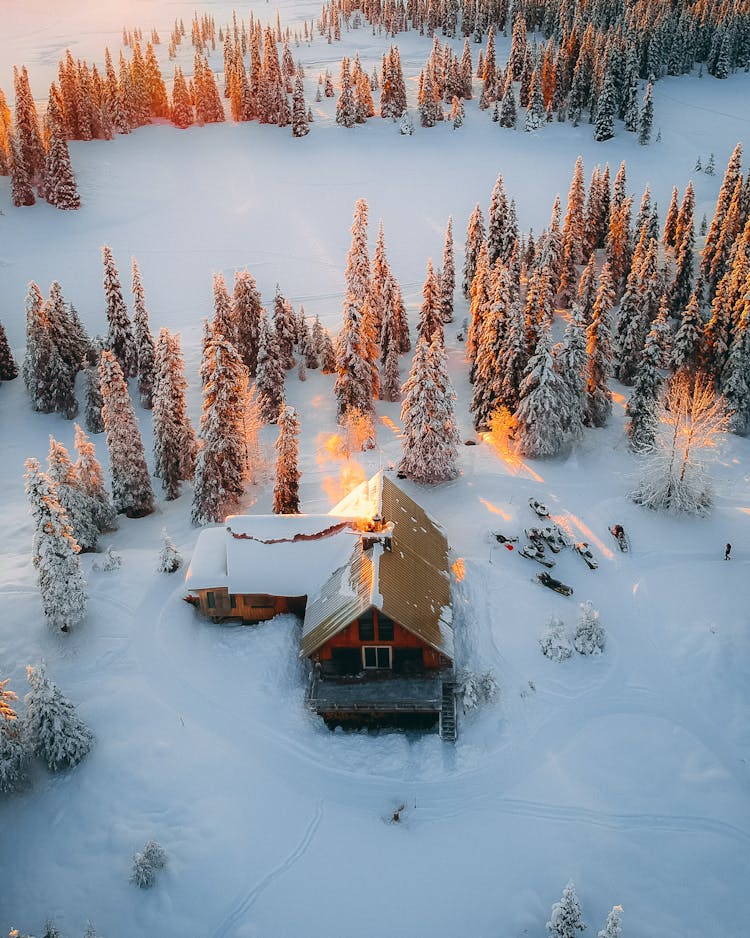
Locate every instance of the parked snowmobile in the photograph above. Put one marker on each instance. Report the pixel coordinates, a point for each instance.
(538, 508)
(534, 552)
(585, 551)
(503, 538)
(618, 532)
(551, 583)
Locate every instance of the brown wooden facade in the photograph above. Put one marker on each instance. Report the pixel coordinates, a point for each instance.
(375, 644)
(220, 604)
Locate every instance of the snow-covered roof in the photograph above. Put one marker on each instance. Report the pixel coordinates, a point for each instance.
(279, 555)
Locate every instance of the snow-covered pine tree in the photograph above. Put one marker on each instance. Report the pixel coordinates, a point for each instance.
(345, 109)
(536, 115)
(587, 289)
(589, 636)
(554, 642)
(571, 363)
(430, 438)
(497, 219)
(380, 271)
(599, 351)
(641, 406)
(286, 485)
(315, 344)
(515, 355)
(646, 117)
(573, 233)
(631, 329)
(120, 340)
(539, 416)
(22, 193)
(131, 484)
(147, 863)
(606, 108)
(687, 343)
(60, 187)
(92, 394)
(508, 108)
(144, 341)
(42, 362)
(270, 374)
(474, 239)
(431, 314)
(735, 379)
(480, 301)
(220, 467)
(390, 387)
(565, 917)
(285, 327)
(27, 126)
(300, 127)
(613, 926)
(75, 501)
(448, 274)
(55, 731)
(170, 558)
(91, 480)
(8, 367)
(223, 322)
(14, 754)
(54, 552)
(175, 447)
(246, 312)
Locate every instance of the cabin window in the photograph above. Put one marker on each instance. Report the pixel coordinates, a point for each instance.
(211, 600)
(385, 628)
(366, 627)
(374, 656)
(232, 601)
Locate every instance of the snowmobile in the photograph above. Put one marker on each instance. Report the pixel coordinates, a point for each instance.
(551, 583)
(618, 533)
(532, 552)
(585, 551)
(538, 508)
(550, 535)
(503, 539)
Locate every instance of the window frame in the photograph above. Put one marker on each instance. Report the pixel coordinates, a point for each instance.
(377, 649)
(210, 599)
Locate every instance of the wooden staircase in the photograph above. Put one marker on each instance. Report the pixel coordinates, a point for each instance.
(448, 723)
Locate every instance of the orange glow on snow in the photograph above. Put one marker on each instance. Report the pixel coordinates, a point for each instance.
(495, 510)
(459, 569)
(501, 447)
(341, 472)
(568, 521)
(318, 400)
(394, 428)
(744, 510)
(619, 399)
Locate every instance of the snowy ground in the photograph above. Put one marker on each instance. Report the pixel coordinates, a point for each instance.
(628, 772)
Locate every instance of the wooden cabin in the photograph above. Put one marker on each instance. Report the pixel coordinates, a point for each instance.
(371, 582)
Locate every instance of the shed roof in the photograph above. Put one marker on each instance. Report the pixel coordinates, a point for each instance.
(279, 555)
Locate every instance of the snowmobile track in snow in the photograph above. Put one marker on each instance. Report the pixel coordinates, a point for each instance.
(229, 926)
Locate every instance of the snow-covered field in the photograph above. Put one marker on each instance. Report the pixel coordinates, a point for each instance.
(628, 772)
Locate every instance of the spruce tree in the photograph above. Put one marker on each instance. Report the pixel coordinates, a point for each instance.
(599, 350)
(91, 480)
(632, 326)
(27, 126)
(735, 379)
(535, 112)
(14, 753)
(54, 552)
(686, 347)
(92, 393)
(300, 126)
(8, 367)
(430, 437)
(431, 314)
(612, 928)
(174, 439)
(75, 501)
(144, 341)
(55, 731)
(571, 363)
(573, 233)
(131, 484)
(540, 421)
(285, 327)
(606, 108)
(22, 192)
(565, 917)
(220, 467)
(641, 406)
(286, 486)
(223, 322)
(120, 340)
(497, 218)
(246, 313)
(41, 362)
(448, 274)
(474, 239)
(60, 187)
(488, 373)
(646, 117)
(508, 109)
(270, 374)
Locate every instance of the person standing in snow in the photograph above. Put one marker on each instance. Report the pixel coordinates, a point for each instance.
(727, 551)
